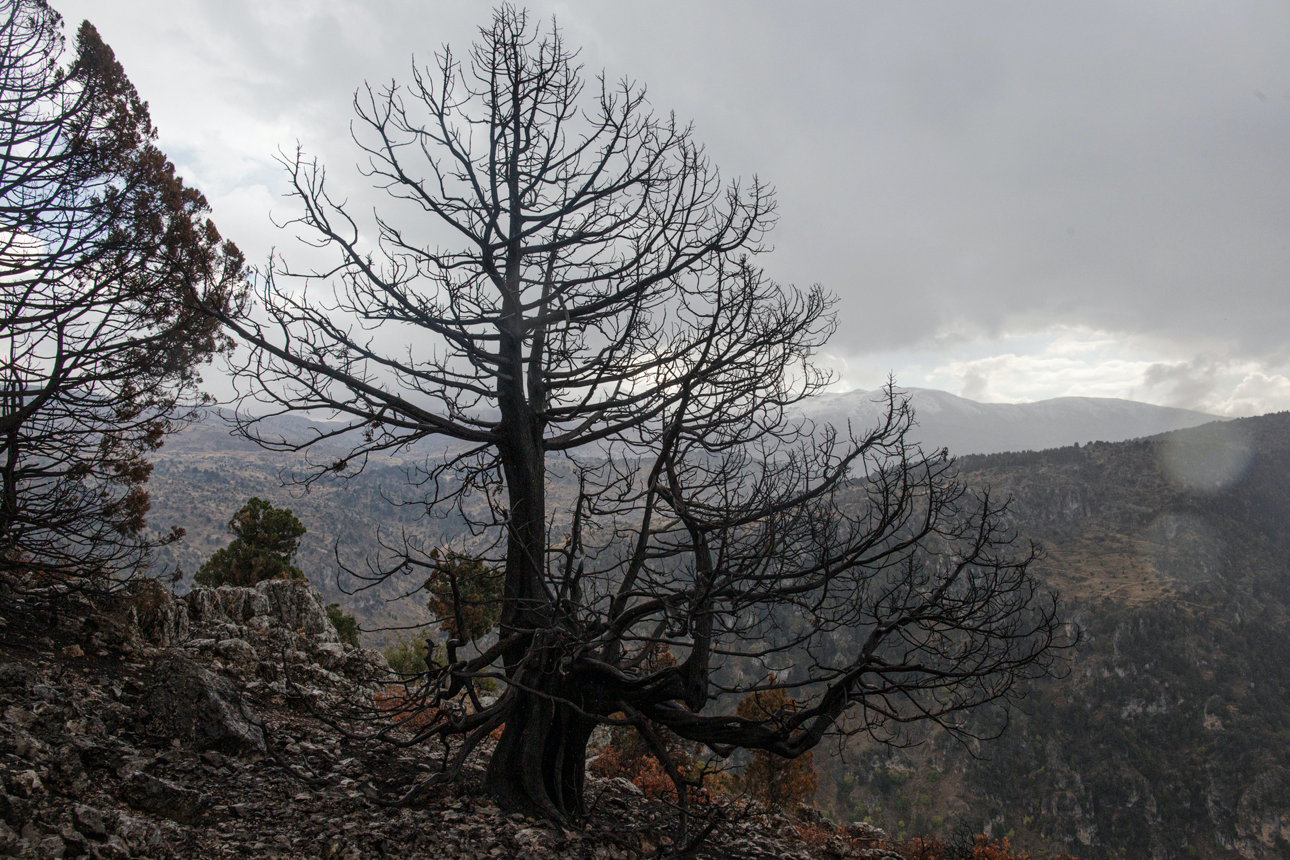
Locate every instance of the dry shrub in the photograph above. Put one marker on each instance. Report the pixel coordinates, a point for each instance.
(982, 848)
(816, 835)
(627, 758)
(403, 711)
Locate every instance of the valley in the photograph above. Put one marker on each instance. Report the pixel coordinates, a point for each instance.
(1164, 733)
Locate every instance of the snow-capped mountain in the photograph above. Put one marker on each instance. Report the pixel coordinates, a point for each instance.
(968, 427)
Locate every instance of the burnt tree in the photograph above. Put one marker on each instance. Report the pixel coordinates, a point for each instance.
(563, 282)
(102, 251)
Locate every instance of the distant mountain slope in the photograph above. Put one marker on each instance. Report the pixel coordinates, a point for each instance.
(968, 427)
(1168, 735)
(202, 475)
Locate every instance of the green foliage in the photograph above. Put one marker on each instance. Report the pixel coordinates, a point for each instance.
(406, 655)
(346, 625)
(888, 779)
(265, 542)
(465, 595)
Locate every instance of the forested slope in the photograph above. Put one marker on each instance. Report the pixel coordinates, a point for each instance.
(1169, 735)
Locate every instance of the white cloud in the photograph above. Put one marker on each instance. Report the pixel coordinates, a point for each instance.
(1257, 393)
(1077, 362)
(1068, 363)
(955, 177)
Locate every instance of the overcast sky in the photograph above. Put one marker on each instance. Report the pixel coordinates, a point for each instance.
(1013, 201)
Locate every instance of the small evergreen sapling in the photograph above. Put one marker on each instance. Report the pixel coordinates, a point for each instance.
(778, 783)
(265, 542)
(346, 625)
(465, 595)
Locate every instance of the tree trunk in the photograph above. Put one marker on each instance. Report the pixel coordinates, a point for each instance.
(9, 489)
(526, 603)
(539, 766)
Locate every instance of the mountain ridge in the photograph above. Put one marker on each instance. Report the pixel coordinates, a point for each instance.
(966, 426)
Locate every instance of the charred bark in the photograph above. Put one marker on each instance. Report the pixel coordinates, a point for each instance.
(539, 764)
(604, 307)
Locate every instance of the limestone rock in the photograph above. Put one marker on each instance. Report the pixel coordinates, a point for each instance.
(291, 603)
(163, 620)
(299, 606)
(162, 797)
(330, 655)
(191, 703)
(236, 650)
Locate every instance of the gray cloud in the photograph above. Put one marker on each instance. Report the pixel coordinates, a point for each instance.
(1188, 382)
(955, 172)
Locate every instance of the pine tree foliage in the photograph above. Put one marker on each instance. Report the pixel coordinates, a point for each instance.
(265, 542)
(346, 625)
(777, 782)
(107, 260)
(465, 594)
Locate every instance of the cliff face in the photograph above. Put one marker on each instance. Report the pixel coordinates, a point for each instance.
(1168, 734)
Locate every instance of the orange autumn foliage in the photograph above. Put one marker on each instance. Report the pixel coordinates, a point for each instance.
(982, 849)
(778, 783)
(628, 755)
(639, 768)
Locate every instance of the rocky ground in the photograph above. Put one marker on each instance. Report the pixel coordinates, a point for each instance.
(146, 726)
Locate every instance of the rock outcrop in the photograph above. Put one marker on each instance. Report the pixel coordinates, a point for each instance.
(193, 705)
(291, 604)
(185, 728)
(255, 633)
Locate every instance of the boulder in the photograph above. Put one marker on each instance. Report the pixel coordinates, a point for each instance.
(330, 655)
(236, 651)
(299, 606)
(162, 797)
(89, 821)
(193, 704)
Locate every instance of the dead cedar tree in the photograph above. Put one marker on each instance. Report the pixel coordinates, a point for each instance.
(563, 289)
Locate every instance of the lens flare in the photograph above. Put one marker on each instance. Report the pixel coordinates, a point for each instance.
(1207, 459)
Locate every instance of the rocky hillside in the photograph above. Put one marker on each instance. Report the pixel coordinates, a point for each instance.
(1169, 734)
(151, 727)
